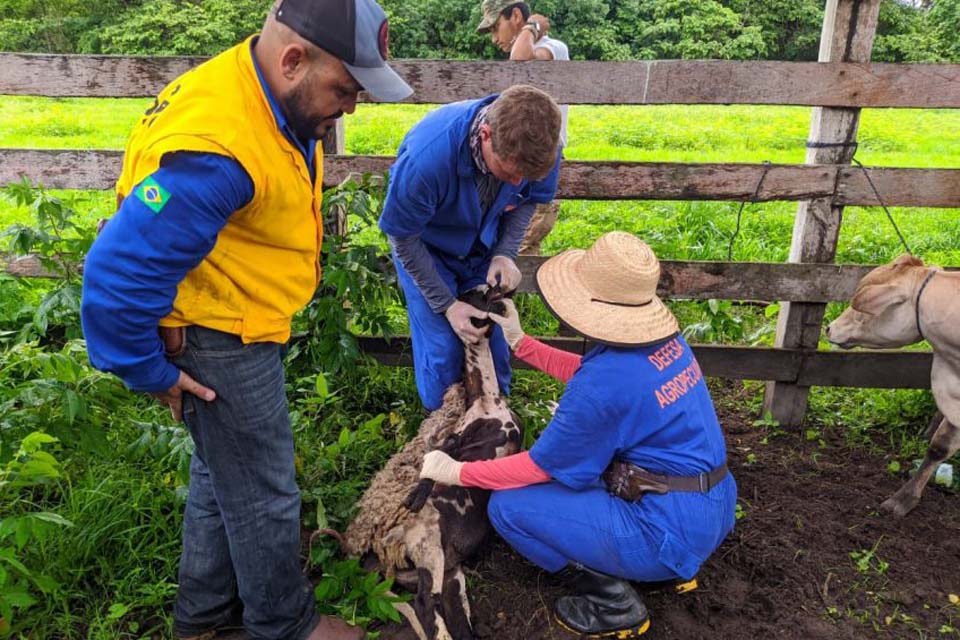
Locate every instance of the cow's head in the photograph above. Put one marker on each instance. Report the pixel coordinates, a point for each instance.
(882, 313)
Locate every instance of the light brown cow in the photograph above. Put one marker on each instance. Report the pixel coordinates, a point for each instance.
(899, 304)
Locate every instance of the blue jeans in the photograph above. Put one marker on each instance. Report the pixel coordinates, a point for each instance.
(437, 351)
(241, 526)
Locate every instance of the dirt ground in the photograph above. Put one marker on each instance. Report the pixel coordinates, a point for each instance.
(786, 571)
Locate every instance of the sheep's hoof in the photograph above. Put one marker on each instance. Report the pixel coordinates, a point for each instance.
(418, 496)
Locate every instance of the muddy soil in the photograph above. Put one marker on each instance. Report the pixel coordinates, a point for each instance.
(786, 571)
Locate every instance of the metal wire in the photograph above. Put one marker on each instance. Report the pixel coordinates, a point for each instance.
(885, 209)
(756, 193)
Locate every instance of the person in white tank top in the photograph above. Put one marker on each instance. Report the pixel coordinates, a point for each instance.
(516, 30)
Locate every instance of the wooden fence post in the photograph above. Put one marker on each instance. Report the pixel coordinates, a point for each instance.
(333, 140)
(849, 27)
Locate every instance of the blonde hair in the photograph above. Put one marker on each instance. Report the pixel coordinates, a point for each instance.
(525, 129)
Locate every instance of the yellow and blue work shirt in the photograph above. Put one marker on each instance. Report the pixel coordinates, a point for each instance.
(219, 223)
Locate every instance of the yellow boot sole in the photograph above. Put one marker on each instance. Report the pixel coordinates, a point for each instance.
(685, 587)
(619, 634)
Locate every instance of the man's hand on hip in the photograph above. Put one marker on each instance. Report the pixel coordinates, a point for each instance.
(173, 397)
(504, 271)
(458, 315)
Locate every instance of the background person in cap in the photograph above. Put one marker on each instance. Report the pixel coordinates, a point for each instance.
(582, 502)
(461, 194)
(216, 241)
(524, 36)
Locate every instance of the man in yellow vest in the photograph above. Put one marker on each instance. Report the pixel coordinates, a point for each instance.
(216, 241)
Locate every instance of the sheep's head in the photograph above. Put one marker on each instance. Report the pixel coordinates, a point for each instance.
(486, 298)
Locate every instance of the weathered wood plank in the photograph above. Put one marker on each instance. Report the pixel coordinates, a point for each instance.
(866, 369)
(577, 82)
(74, 169)
(740, 280)
(61, 168)
(893, 370)
(849, 27)
(25, 267)
(334, 140)
(898, 187)
(679, 280)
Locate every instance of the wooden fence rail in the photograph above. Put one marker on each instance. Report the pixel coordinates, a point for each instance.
(679, 280)
(875, 369)
(838, 86)
(834, 84)
(841, 184)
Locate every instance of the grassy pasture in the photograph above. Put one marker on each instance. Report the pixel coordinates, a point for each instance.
(117, 563)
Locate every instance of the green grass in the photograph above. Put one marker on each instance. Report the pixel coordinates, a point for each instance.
(123, 549)
(677, 230)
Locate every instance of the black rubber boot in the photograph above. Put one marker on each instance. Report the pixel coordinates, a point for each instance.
(605, 607)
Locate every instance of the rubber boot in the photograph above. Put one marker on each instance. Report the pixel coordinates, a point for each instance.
(605, 607)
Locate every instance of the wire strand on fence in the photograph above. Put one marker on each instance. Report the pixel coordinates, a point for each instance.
(893, 222)
(756, 193)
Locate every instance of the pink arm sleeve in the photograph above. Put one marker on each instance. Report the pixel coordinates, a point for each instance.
(511, 472)
(558, 363)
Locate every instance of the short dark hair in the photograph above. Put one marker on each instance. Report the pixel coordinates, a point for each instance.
(524, 10)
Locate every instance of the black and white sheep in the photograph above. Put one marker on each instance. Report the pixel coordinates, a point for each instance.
(421, 532)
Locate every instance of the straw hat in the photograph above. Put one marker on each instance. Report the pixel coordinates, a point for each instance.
(608, 293)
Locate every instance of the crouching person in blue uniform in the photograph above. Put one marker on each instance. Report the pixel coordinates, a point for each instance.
(462, 191)
(629, 480)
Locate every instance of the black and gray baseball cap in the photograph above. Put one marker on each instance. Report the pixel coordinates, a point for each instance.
(356, 31)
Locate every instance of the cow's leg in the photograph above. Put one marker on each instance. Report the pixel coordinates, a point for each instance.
(945, 443)
(932, 427)
(456, 608)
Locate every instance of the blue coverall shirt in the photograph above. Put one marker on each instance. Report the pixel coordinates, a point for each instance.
(433, 196)
(433, 193)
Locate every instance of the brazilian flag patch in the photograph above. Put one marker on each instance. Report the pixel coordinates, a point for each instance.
(152, 194)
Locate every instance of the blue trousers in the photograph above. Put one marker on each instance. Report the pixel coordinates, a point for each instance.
(662, 537)
(437, 351)
(241, 525)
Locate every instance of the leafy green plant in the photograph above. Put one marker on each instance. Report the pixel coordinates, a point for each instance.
(59, 244)
(30, 467)
(721, 323)
(171, 445)
(57, 393)
(866, 560)
(356, 292)
(350, 592)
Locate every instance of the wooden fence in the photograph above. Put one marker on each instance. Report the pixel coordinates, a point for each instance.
(837, 86)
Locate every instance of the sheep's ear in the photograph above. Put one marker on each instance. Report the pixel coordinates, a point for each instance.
(875, 298)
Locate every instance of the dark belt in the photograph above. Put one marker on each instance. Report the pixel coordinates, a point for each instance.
(174, 341)
(630, 482)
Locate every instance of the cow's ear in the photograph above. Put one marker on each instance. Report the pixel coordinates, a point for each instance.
(907, 260)
(875, 298)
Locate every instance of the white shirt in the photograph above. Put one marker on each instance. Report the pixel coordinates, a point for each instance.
(560, 52)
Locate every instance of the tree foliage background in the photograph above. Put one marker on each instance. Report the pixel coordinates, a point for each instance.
(909, 31)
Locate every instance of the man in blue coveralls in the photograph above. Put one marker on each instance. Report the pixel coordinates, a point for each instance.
(462, 191)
